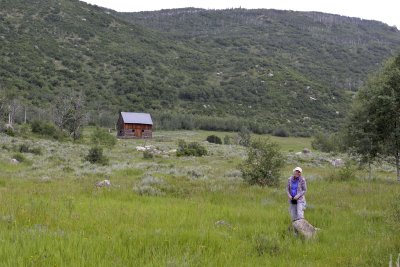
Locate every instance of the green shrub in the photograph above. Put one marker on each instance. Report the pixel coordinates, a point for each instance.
(244, 137)
(95, 155)
(190, 149)
(43, 128)
(327, 142)
(227, 140)
(9, 131)
(24, 130)
(214, 139)
(280, 133)
(100, 137)
(5, 147)
(263, 164)
(47, 129)
(23, 148)
(36, 151)
(147, 154)
(345, 173)
(19, 157)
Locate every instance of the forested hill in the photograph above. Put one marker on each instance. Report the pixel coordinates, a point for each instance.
(332, 49)
(265, 69)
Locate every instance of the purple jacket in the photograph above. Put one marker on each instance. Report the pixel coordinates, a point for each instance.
(301, 188)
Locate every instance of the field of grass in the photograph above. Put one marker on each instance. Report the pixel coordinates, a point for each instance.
(170, 211)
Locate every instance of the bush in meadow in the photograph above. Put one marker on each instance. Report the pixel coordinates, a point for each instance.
(346, 173)
(328, 142)
(25, 148)
(101, 137)
(227, 140)
(190, 149)
(95, 155)
(280, 133)
(244, 137)
(47, 129)
(214, 139)
(147, 154)
(19, 157)
(263, 164)
(9, 131)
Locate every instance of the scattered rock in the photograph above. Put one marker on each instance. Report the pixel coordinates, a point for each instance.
(104, 183)
(223, 223)
(45, 179)
(337, 162)
(154, 150)
(141, 148)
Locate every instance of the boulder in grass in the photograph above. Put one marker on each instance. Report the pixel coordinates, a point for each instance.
(304, 228)
(223, 223)
(104, 183)
(337, 162)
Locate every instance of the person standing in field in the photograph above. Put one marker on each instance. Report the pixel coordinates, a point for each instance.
(296, 189)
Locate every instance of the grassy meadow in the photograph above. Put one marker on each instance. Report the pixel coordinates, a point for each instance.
(186, 211)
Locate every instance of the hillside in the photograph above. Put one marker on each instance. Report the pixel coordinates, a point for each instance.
(265, 69)
(313, 43)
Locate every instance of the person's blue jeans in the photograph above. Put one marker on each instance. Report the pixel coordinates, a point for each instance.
(297, 210)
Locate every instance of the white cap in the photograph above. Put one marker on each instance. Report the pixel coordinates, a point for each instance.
(297, 169)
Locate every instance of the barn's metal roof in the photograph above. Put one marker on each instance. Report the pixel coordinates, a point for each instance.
(133, 117)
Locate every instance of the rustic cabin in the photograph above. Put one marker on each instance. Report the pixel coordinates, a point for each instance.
(134, 125)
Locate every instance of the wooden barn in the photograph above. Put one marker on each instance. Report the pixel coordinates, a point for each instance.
(134, 125)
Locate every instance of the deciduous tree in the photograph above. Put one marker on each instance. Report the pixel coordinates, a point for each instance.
(374, 123)
(69, 113)
(263, 164)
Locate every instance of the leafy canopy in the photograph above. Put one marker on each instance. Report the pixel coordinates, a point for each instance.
(263, 164)
(373, 127)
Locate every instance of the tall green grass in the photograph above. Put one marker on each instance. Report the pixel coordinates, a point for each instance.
(205, 216)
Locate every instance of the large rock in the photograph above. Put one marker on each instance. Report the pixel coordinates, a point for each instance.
(304, 228)
(104, 183)
(337, 162)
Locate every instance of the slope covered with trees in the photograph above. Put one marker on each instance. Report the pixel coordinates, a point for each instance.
(215, 69)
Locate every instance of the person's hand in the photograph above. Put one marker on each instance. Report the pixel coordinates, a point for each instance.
(295, 198)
